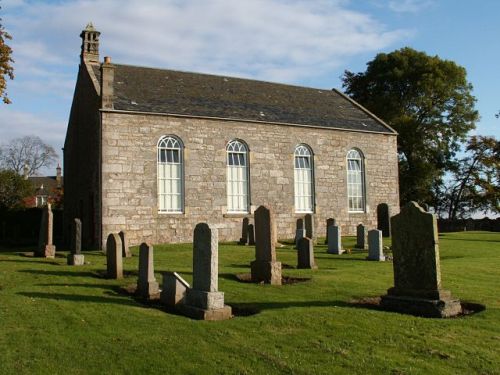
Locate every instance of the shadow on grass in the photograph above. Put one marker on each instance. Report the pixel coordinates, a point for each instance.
(63, 273)
(95, 286)
(80, 298)
(470, 239)
(41, 261)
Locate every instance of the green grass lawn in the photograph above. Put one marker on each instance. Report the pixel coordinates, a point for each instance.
(59, 319)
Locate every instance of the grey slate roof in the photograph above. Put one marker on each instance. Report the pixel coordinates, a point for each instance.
(167, 91)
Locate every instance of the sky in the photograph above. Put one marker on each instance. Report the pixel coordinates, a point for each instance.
(302, 42)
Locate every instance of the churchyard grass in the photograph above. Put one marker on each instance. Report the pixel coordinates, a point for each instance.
(61, 319)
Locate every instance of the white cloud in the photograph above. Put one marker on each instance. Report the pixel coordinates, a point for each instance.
(409, 6)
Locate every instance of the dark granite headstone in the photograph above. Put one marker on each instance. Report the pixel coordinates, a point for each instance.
(383, 219)
(305, 254)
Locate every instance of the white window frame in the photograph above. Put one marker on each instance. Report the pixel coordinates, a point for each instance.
(170, 175)
(237, 176)
(356, 190)
(303, 173)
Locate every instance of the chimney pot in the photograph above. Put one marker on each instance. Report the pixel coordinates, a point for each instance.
(107, 60)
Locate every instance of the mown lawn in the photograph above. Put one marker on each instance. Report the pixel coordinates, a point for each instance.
(59, 319)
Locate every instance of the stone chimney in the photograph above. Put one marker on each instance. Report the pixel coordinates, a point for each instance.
(107, 79)
(58, 176)
(90, 45)
(26, 170)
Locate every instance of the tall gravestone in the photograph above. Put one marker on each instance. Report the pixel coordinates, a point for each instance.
(309, 226)
(76, 258)
(329, 222)
(383, 219)
(417, 276)
(114, 257)
(299, 232)
(334, 240)
(244, 232)
(305, 254)
(204, 301)
(361, 236)
(251, 235)
(125, 248)
(375, 246)
(45, 246)
(147, 286)
(265, 268)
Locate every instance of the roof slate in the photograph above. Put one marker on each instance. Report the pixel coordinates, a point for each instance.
(152, 90)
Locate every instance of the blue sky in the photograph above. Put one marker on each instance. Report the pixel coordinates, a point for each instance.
(303, 42)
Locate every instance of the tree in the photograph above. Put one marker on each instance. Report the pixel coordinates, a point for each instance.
(13, 189)
(6, 69)
(475, 182)
(29, 152)
(428, 101)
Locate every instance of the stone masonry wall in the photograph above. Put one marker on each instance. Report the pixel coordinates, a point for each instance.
(129, 175)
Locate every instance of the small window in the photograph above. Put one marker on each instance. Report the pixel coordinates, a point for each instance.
(303, 176)
(355, 181)
(237, 177)
(170, 175)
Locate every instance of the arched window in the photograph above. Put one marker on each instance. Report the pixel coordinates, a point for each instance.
(237, 177)
(170, 175)
(303, 175)
(355, 181)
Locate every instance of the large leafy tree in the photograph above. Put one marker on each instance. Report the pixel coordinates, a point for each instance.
(13, 190)
(6, 69)
(428, 101)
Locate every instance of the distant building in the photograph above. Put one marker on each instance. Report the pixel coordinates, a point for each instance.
(48, 189)
(154, 152)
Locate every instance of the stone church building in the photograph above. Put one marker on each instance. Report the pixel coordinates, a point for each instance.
(153, 152)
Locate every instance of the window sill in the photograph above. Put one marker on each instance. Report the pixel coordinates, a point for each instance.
(171, 213)
(356, 212)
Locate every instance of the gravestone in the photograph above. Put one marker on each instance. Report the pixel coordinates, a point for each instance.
(383, 221)
(265, 268)
(174, 289)
(76, 258)
(125, 249)
(45, 247)
(334, 240)
(361, 236)
(114, 257)
(147, 287)
(309, 226)
(244, 232)
(417, 276)
(305, 254)
(251, 235)
(375, 246)
(299, 231)
(204, 301)
(329, 222)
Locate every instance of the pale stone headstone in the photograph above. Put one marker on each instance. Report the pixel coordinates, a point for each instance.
(244, 232)
(329, 222)
(305, 254)
(265, 268)
(383, 221)
(334, 240)
(125, 249)
(251, 235)
(147, 287)
(309, 226)
(361, 235)
(375, 246)
(114, 257)
(204, 301)
(174, 289)
(76, 258)
(417, 276)
(45, 246)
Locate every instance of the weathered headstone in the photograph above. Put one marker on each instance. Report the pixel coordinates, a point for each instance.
(299, 231)
(383, 221)
(329, 222)
(204, 301)
(45, 246)
(114, 257)
(244, 232)
(174, 289)
(417, 276)
(334, 240)
(265, 268)
(361, 236)
(309, 226)
(251, 235)
(125, 249)
(375, 246)
(147, 286)
(305, 254)
(76, 258)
